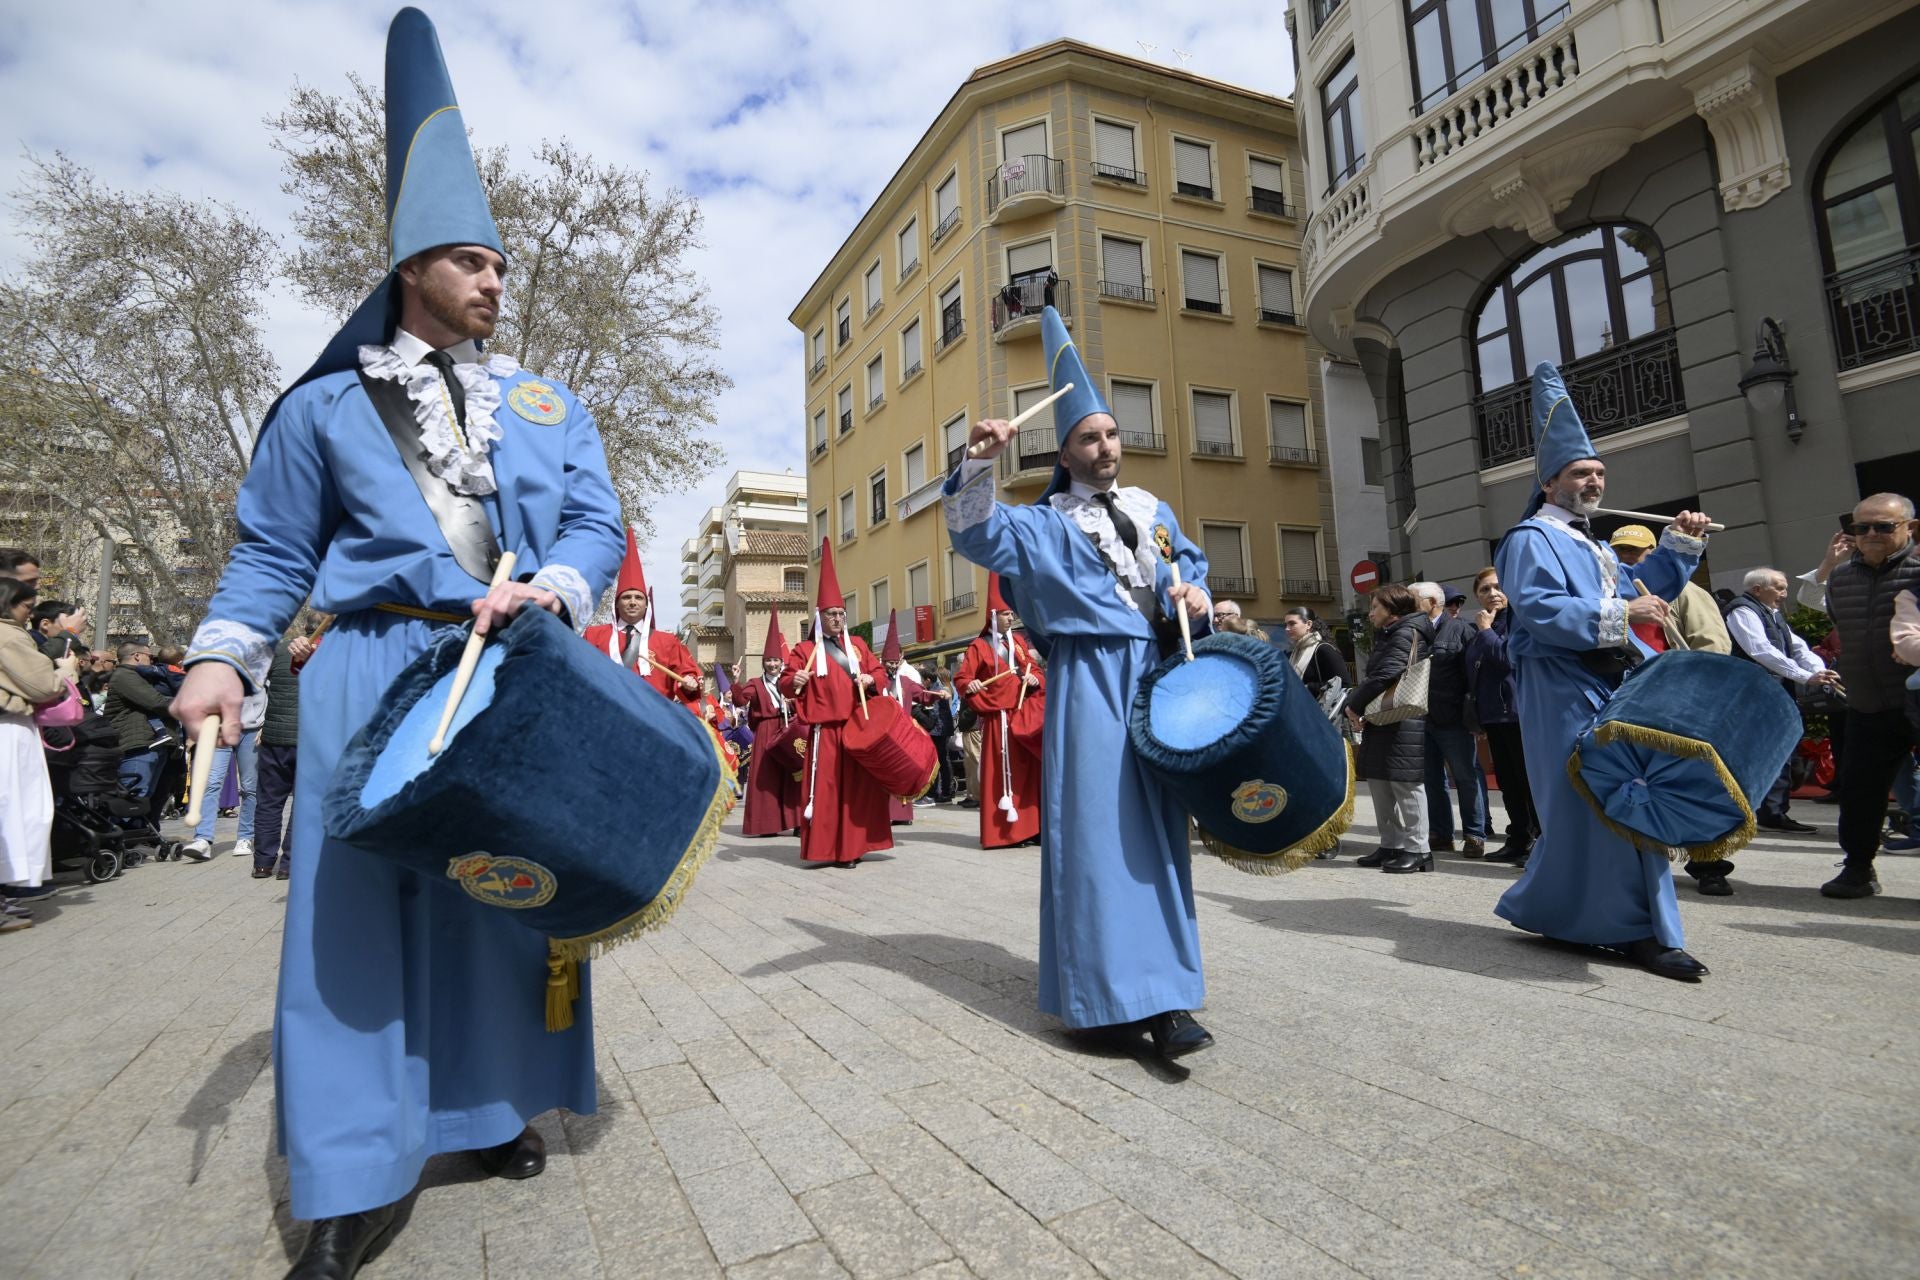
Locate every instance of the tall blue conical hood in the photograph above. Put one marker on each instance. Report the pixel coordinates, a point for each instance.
(434, 196)
(1064, 366)
(1559, 437)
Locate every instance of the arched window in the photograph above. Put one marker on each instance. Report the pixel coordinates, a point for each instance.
(1596, 305)
(1867, 190)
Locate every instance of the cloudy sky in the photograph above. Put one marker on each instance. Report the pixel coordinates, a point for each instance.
(783, 118)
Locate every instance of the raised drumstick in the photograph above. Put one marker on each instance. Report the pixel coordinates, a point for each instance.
(1651, 518)
(202, 767)
(469, 659)
(975, 450)
(1186, 628)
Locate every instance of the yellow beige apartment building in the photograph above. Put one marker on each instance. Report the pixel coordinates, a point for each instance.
(1160, 213)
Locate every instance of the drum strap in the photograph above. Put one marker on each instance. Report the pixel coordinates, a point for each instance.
(841, 658)
(463, 521)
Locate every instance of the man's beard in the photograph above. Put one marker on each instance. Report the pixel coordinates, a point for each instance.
(446, 306)
(1572, 501)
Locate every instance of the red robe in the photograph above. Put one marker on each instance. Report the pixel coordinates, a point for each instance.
(667, 654)
(911, 694)
(774, 797)
(994, 703)
(849, 808)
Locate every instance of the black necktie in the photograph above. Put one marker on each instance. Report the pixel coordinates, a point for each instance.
(1582, 526)
(1122, 523)
(455, 392)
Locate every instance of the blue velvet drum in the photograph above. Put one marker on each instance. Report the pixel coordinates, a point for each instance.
(1237, 737)
(568, 792)
(1683, 751)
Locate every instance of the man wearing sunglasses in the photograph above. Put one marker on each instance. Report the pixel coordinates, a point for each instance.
(1860, 598)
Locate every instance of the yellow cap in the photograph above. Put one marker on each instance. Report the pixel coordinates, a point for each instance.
(1633, 535)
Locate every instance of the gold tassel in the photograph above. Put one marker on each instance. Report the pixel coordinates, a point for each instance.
(559, 995)
(1716, 850)
(925, 786)
(1295, 856)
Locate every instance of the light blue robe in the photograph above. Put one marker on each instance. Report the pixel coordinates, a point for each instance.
(411, 1019)
(1118, 938)
(1583, 883)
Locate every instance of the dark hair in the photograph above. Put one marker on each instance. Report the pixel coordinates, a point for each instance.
(1481, 576)
(11, 558)
(130, 647)
(13, 591)
(1396, 600)
(48, 610)
(1312, 619)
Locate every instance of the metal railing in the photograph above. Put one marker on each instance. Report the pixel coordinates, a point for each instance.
(879, 398)
(1036, 448)
(846, 421)
(1269, 316)
(1126, 292)
(953, 327)
(910, 370)
(1029, 175)
(957, 604)
(844, 331)
(1876, 309)
(947, 224)
(1024, 299)
(1119, 173)
(878, 515)
(817, 368)
(1197, 190)
(1615, 390)
(1216, 448)
(1322, 10)
(875, 305)
(1222, 586)
(1304, 587)
(1271, 203)
(819, 447)
(1293, 455)
(1143, 440)
(907, 268)
(955, 456)
(1212, 308)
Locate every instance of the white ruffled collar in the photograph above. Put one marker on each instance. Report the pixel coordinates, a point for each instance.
(1135, 568)
(457, 457)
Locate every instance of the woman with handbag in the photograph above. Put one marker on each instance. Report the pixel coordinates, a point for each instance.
(1393, 748)
(1315, 660)
(30, 684)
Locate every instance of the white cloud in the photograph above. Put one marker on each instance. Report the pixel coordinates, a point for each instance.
(785, 118)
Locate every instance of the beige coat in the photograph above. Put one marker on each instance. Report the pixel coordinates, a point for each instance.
(1697, 615)
(27, 676)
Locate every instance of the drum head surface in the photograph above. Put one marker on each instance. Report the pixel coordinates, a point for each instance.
(1195, 704)
(405, 757)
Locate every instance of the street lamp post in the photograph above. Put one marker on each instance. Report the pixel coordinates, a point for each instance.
(1768, 382)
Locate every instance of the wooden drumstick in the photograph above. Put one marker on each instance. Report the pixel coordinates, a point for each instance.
(469, 659)
(203, 747)
(1022, 699)
(1002, 676)
(1674, 638)
(975, 450)
(1650, 518)
(1186, 628)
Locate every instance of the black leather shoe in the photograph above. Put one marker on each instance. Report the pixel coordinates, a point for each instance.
(1175, 1034)
(1784, 823)
(1375, 858)
(1512, 855)
(1442, 844)
(1668, 962)
(524, 1157)
(337, 1246)
(1405, 861)
(1716, 887)
(1852, 882)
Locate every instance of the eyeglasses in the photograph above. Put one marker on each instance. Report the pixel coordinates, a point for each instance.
(1859, 527)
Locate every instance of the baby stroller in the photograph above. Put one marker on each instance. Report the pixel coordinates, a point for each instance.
(98, 825)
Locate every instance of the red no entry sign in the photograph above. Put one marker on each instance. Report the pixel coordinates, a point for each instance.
(1365, 576)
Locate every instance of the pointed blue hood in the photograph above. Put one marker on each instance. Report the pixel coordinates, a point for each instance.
(1064, 366)
(1559, 437)
(434, 195)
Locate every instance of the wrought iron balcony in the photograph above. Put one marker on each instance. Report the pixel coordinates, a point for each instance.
(817, 368)
(846, 421)
(1197, 190)
(1119, 173)
(1322, 10)
(1036, 449)
(1270, 203)
(947, 224)
(1127, 292)
(1017, 306)
(819, 449)
(1270, 316)
(1223, 586)
(844, 331)
(908, 268)
(958, 604)
(1216, 448)
(956, 455)
(1287, 455)
(1211, 306)
(1615, 390)
(1143, 440)
(878, 515)
(879, 398)
(1027, 184)
(1297, 587)
(953, 327)
(1874, 309)
(910, 370)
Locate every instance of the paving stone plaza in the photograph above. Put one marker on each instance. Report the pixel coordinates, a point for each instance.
(818, 1072)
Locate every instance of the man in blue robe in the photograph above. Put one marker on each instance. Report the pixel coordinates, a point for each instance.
(1090, 568)
(410, 1020)
(1570, 644)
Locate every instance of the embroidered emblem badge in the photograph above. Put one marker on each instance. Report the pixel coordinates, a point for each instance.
(537, 402)
(1163, 540)
(1258, 801)
(503, 882)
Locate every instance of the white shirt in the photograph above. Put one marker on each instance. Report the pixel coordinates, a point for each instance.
(1799, 664)
(1077, 504)
(415, 352)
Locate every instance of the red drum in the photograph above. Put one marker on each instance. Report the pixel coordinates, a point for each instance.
(1024, 724)
(787, 750)
(884, 740)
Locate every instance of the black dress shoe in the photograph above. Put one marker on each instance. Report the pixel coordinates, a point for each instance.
(1175, 1034)
(337, 1246)
(1443, 844)
(1512, 855)
(1668, 962)
(1783, 823)
(1406, 861)
(1375, 858)
(1852, 882)
(524, 1157)
(1715, 887)
(261, 873)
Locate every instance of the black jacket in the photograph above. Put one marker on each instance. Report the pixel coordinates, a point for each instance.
(132, 696)
(282, 726)
(1448, 692)
(1860, 602)
(1325, 666)
(1393, 752)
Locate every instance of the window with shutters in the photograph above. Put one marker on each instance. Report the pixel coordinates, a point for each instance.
(875, 295)
(819, 364)
(1200, 282)
(1301, 573)
(853, 609)
(910, 362)
(877, 498)
(1370, 461)
(1226, 548)
(1213, 435)
(843, 322)
(1287, 439)
(959, 582)
(1276, 296)
(876, 383)
(909, 246)
(846, 409)
(1193, 168)
(1134, 413)
(819, 433)
(849, 517)
(1123, 270)
(1027, 140)
(1029, 261)
(919, 592)
(953, 438)
(952, 322)
(882, 593)
(1114, 157)
(1267, 187)
(820, 531)
(913, 468)
(1036, 445)
(946, 206)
